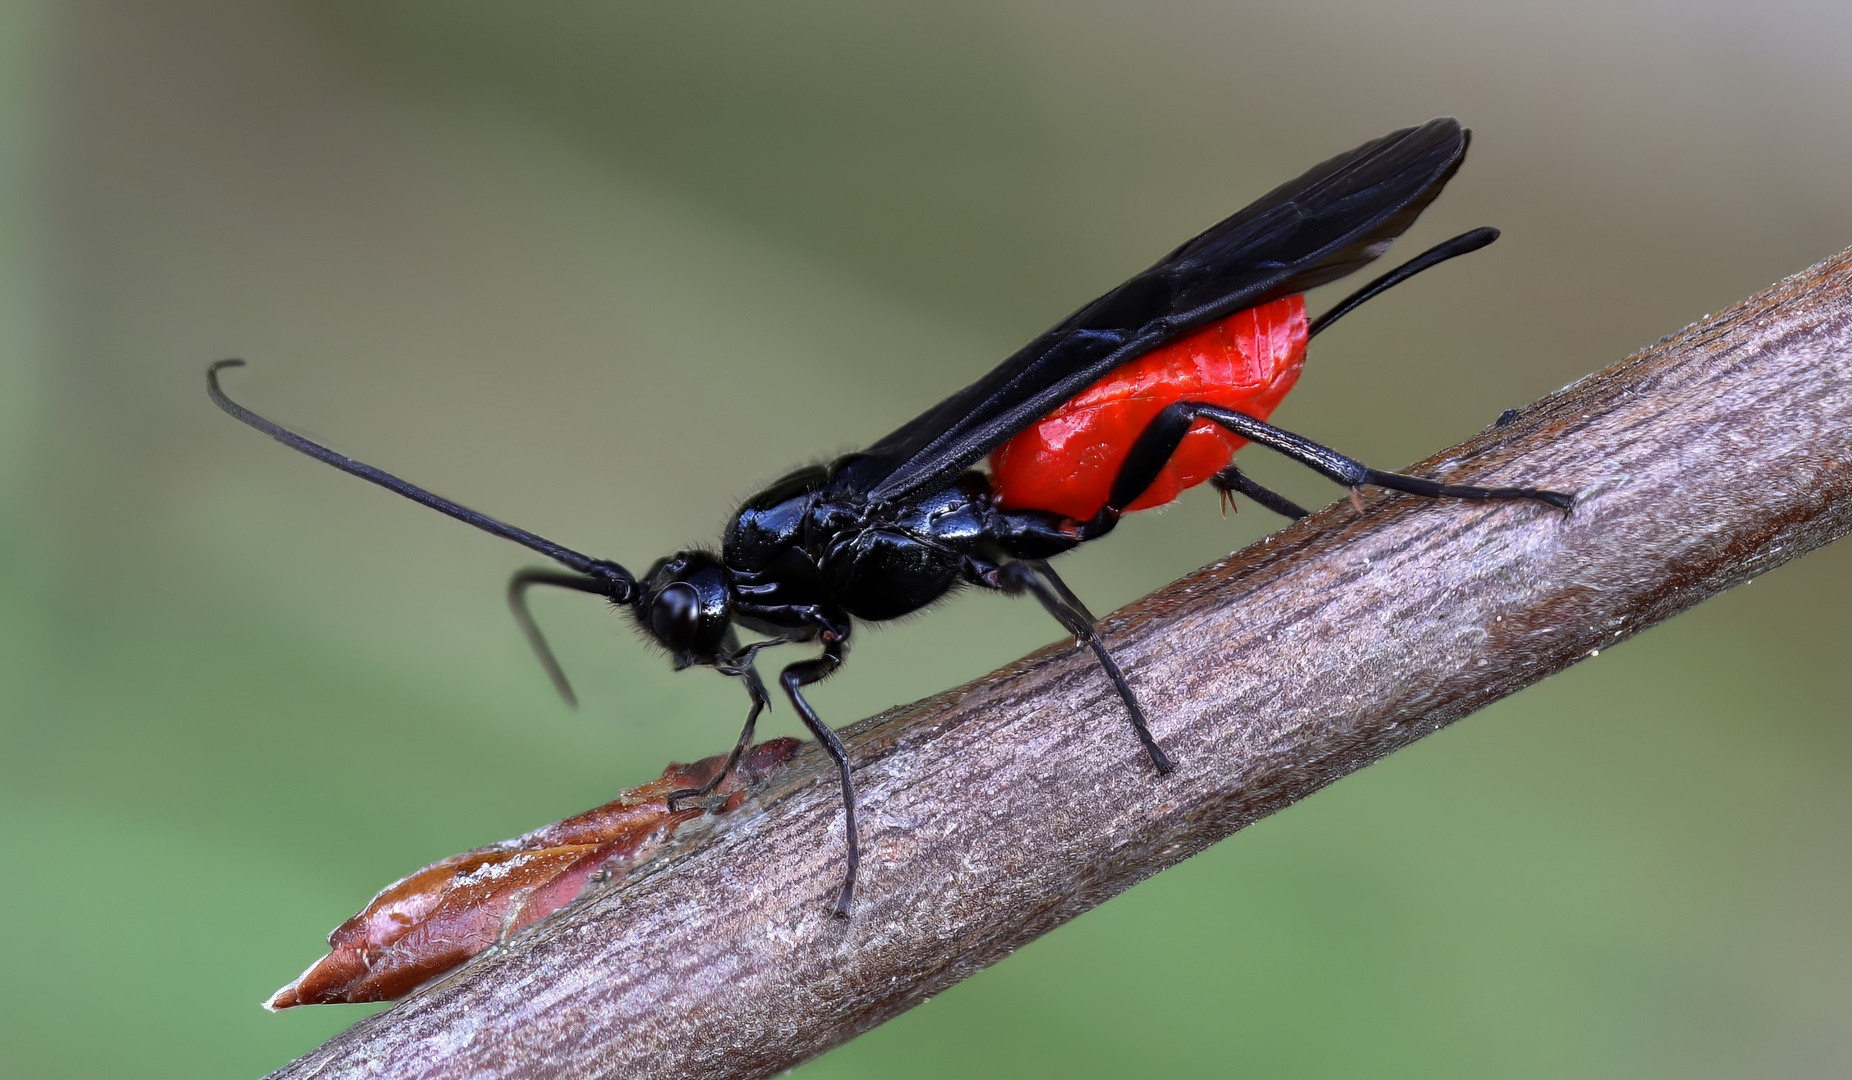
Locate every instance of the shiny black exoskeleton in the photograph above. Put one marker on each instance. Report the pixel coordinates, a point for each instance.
(813, 551)
(806, 558)
(877, 535)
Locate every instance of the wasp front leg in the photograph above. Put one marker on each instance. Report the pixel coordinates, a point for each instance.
(741, 667)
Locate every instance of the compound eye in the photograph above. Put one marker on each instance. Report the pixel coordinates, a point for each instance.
(676, 615)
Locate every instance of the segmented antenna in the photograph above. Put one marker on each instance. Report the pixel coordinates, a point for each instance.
(599, 576)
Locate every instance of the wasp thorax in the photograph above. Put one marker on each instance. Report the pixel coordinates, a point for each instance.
(687, 605)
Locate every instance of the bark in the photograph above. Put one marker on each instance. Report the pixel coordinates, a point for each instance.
(999, 810)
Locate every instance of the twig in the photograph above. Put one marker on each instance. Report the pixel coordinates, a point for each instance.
(999, 810)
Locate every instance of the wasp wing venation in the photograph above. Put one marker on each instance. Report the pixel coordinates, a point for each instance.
(1325, 224)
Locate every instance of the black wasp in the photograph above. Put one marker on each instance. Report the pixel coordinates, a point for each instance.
(1152, 386)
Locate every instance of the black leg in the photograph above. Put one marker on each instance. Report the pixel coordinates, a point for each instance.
(1232, 480)
(1147, 457)
(1163, 434)
(1036, 577)
(1152, 451)
(802, 674)
(756, 690)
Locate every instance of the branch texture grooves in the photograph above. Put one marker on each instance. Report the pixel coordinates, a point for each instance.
(997, 811)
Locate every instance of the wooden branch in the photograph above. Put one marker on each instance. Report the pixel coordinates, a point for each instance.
(999, 810)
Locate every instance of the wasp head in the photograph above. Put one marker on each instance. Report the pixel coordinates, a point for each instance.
(687, 605)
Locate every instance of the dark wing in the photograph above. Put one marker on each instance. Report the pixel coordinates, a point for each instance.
(1318, 228)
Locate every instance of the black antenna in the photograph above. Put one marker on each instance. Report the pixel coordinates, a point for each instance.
(1434, 256)
(517, 600)
(606, 578)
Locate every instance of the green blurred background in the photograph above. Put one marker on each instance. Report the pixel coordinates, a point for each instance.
(601, 271)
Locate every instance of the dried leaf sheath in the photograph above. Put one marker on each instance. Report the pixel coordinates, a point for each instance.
(428, 922)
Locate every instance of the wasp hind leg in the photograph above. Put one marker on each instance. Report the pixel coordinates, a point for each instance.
(1152, 452)
(1036, 577)
(1161, 437)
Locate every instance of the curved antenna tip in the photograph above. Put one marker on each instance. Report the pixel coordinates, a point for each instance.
(517, 600)
(616, 576)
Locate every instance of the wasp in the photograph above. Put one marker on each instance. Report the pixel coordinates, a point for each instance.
(1144, 392)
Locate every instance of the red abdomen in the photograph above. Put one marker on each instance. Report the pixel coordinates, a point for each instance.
(1066, 461)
